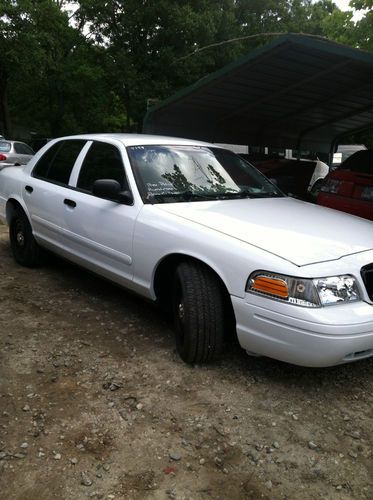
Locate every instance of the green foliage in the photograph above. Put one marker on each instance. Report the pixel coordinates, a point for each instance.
(362, 36)
(57, 78)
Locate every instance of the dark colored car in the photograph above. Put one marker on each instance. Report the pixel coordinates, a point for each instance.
(350, 187)
(294, 177)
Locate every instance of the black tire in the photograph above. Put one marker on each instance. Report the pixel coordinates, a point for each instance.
(22, 242)
(198, 309)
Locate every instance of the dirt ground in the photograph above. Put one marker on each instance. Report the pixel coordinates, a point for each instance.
(95, 403)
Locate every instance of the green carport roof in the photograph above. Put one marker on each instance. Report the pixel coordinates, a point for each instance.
(297, 92)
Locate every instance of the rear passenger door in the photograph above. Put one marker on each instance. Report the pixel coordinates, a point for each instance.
(47, 193)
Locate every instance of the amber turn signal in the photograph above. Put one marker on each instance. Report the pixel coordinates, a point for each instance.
(271, 286)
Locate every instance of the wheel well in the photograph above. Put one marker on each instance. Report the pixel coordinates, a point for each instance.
(163, 283)
(11, 206)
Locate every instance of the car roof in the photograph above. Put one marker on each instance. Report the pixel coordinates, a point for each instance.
(11, 141)
(360, 161)
(140, 139)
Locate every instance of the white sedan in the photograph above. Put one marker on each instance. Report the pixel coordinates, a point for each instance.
(201, 231)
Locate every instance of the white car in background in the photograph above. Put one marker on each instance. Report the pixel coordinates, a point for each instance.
(201, 231)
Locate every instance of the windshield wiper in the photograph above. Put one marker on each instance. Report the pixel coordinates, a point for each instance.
(246, 193)
(185, 195)
(190, 195)
(266, 195)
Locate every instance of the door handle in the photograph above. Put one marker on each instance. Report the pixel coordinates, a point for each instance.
(29, 189)
(69, 203)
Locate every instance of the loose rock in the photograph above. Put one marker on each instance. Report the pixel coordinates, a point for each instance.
(268, 485)
(85, 479)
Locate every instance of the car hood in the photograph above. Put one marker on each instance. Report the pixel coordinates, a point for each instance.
(299, 232)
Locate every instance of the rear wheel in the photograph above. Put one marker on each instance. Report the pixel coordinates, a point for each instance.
(198, 313)
(22, 242)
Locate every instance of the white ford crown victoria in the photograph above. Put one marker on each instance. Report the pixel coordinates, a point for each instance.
(196, 228)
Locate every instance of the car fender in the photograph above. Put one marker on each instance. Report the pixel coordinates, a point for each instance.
(184, 255)
(11, 181)
(156, 238)
(19, 201)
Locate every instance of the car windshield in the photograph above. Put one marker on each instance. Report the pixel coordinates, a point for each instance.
(5, 146)
(168, 174)
(361, 161)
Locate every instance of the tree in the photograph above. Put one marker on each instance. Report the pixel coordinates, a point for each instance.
(364, 28)
(51, 73)
(145, 38)
(16, 46)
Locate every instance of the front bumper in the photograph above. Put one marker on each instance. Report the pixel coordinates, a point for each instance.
(308, 337)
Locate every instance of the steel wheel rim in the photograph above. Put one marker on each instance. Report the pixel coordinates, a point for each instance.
(19, 237)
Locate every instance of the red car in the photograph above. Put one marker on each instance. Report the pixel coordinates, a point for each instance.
(350, 187)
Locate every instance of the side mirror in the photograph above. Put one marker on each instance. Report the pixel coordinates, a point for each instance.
(125, 197)
(110, 189)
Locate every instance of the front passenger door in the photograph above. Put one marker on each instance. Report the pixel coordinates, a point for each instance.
(102, 230)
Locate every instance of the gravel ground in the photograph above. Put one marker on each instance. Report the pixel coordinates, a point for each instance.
(95, 403)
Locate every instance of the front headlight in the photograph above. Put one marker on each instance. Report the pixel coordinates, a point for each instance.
(304, 292)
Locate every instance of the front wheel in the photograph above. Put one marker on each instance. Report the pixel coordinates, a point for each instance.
(22, 242)
(198, 313)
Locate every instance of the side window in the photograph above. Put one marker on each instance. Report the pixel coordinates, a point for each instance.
(103, 161)
(57, 162)
(41, 168)
(22, 149)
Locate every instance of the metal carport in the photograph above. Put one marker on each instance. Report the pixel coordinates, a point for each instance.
(296, 92)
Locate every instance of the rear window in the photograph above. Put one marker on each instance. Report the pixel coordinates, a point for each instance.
(361, 161)
(22, 149)
(5, 146)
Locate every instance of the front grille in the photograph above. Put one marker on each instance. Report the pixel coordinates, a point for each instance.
(367, 275)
